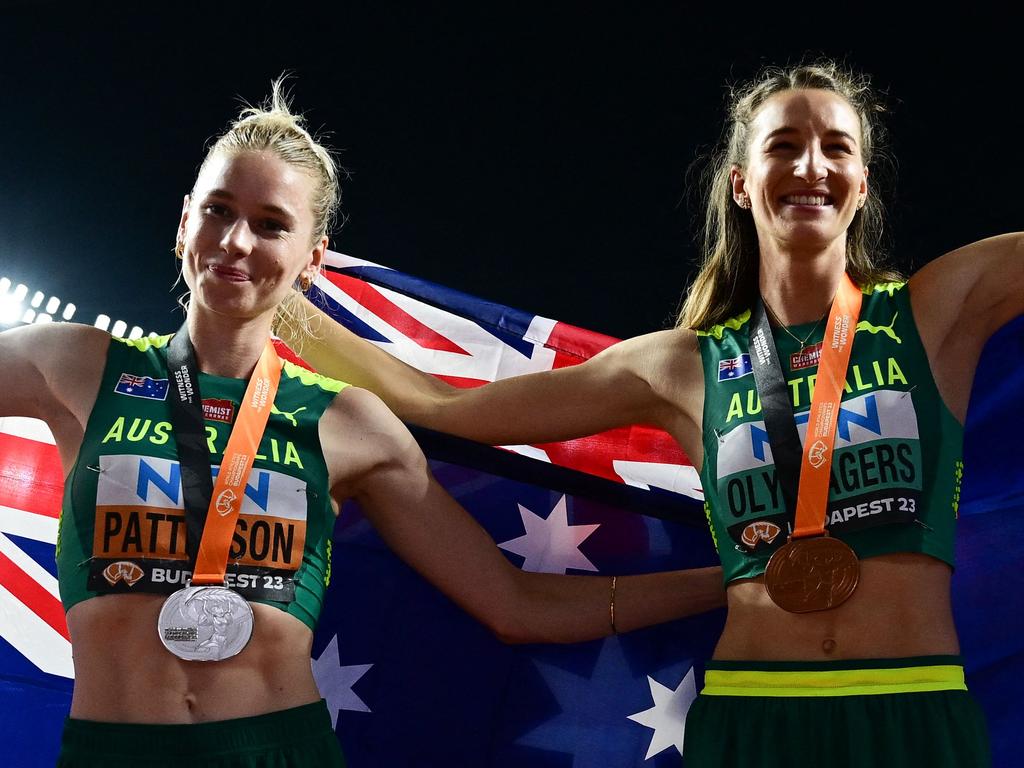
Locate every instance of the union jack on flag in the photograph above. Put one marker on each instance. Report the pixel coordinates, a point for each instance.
(734, 368)
(141, 386)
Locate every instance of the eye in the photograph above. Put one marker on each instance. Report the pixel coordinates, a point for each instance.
(273, 225)
(845, 148)
(215, 209)
(781, 145)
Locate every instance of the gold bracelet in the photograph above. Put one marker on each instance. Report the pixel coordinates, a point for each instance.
(611, 607)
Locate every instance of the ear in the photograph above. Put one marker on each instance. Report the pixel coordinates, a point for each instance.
(316, 258)
(737, 182)
(184, 219)
(863, 191)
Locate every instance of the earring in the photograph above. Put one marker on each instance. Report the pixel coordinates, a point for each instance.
(860, 203)
(179, 249)
(305, 283)
(744, 202)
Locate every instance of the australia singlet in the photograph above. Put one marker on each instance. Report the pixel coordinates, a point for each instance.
(897, 466)
(122, 525)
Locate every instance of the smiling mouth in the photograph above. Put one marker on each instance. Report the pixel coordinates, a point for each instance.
(227, 273)
(818, 201)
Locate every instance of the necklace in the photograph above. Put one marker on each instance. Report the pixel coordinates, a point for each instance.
(802, 342)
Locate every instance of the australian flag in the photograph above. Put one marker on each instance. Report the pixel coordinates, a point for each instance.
(141, 386)
(409, 678)
(734, 368)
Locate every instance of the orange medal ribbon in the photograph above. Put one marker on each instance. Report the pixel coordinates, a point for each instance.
(816, 468)
(813, 571)
(239, 455)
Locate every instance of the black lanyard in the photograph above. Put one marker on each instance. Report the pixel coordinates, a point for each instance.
(779, 422)
(186, 404)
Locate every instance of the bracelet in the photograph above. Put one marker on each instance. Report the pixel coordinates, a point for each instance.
(611, 607)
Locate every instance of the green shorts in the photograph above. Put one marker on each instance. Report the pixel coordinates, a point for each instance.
(292, 738)
(846, 714)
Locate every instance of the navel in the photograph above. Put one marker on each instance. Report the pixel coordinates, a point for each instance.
(828, 645)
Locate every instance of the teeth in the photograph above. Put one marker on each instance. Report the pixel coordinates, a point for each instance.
(805, 199)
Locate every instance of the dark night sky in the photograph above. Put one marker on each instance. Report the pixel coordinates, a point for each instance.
(533, 157)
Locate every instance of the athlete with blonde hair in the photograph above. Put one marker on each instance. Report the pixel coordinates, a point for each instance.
(822, 399)
(203, 477)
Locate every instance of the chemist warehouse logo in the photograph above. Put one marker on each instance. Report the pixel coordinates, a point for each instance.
(140, 517)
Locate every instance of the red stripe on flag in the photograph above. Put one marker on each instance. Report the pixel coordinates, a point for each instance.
(461, 382)
(28, 591)
(30, 475)
(394, 315)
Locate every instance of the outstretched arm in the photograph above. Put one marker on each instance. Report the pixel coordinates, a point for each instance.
(431, 532)
(51, 372)
(613, 389)
(959, 301)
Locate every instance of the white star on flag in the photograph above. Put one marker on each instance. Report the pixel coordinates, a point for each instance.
(551, 545)
(668, 715)
(335, 681)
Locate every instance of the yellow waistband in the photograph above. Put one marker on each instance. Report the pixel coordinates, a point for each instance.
(838, 682)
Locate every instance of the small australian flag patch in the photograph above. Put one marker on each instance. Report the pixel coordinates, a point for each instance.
(734, 368)
(141, 386)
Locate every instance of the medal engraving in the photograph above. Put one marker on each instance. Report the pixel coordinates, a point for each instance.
(812, 574)
(205, 623)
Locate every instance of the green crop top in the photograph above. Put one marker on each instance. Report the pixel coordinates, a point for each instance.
(898, 458)
(122, 525)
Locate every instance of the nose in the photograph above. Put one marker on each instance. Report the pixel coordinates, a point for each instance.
(810, 165)
(238, 238)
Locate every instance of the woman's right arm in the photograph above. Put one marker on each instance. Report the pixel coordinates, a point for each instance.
(52, 372)
(618, 387)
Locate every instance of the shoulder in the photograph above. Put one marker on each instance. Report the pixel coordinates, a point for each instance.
(360, 435)
(653, 354)
(61, 352)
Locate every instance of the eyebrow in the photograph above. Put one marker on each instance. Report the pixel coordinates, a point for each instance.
(268, 207)
(787, 129)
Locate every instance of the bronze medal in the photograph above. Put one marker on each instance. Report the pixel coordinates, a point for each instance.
(812, 574)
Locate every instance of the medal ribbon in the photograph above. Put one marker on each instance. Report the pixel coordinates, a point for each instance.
(211, 510)
(805, 482)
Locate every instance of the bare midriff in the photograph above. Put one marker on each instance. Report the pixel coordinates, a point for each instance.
(124, 674)
(901, 608)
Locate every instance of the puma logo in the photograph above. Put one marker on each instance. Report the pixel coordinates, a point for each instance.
(288, 415)
(864, 325)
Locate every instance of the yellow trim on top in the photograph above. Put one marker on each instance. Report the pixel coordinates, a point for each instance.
(309, 378)
(889, 288)
(837, 682)
(145, 342)
(734, 323)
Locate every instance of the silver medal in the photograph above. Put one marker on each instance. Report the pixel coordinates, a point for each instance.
(205, 623)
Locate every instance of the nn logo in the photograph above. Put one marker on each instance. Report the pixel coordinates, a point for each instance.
(123, 570)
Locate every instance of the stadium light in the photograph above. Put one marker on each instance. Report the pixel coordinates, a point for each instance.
(16, 308)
